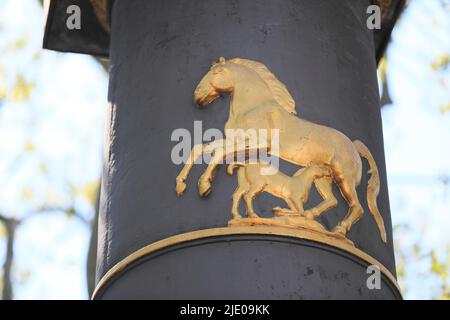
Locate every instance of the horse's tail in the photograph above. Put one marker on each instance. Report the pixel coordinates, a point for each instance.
(373, 186)
(234, 165)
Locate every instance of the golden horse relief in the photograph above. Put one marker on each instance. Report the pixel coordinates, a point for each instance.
(259, 101)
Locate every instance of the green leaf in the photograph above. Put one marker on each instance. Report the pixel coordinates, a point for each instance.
(27, 193)
(441, 62)
(19, 43)
(445, 108)
(89, 191)
(441, 269)
(22, 89)
(2, 231)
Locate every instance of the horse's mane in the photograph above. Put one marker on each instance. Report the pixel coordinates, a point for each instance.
(278, 89)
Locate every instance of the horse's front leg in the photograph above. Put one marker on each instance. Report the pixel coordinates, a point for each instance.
(197, 151)
(204, 183)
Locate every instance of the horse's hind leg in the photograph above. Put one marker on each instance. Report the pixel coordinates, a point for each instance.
(355, 211)
(325, 188)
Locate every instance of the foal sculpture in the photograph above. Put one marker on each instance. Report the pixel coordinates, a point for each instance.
(293, 190)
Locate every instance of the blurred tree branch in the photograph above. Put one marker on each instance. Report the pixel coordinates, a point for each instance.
(10, 227)
(91, 262)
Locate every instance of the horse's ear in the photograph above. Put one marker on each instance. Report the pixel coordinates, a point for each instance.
(222, 60)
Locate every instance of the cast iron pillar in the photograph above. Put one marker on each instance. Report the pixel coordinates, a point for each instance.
(154, 244)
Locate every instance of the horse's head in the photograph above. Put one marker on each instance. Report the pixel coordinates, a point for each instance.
(216, 81)
(256, 84)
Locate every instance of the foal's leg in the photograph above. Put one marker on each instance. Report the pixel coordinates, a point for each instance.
(295, 208)
(242, 188)
(220, 154)
(249, 196)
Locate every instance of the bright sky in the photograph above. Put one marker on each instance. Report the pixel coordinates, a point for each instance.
(64, 120)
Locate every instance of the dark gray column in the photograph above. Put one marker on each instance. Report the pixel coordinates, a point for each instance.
(324, 53)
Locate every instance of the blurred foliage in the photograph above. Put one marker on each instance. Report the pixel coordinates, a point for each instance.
(2, 84)
(441, 64)
(382, 76)
(88, 191)
(2, 231)
(22, 89)
(19, 89)
(441, 269)
(431, 265)
(17, 44)
(445, 108)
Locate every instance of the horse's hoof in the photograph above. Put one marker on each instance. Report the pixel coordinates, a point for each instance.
(277, 210)
(340, 229)
(180, 188)
(204, 188)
